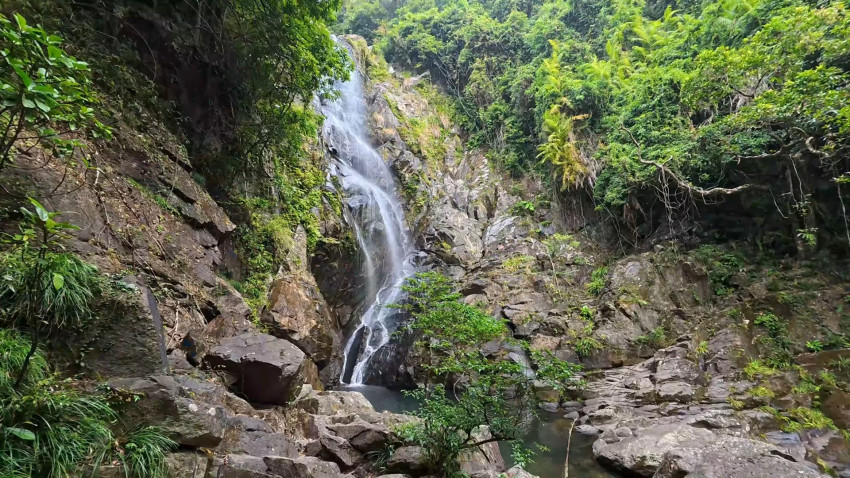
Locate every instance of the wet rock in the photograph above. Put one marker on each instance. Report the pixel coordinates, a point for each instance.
(517, 472)
(264, 368)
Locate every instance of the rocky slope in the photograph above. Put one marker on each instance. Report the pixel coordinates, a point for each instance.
(674, 340)
(672, 386)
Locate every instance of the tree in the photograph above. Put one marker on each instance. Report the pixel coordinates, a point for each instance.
(43, 290)
(42, 88)
(464, 387)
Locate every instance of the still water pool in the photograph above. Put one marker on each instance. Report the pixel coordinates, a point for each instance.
(550, 430)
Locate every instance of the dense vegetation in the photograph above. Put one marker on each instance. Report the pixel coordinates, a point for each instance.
(658, 108)
(464, 388)
(55, 429)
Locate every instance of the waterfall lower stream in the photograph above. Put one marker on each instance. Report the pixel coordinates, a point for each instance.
(376, 216)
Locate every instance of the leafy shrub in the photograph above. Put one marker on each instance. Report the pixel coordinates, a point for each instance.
(722, 265)
(585, 346)
(517, 263)
(761, 391)
(144, 452)
(523, 208)
(657, 338)
(598, 279)
(42, 87)
(497, 393)
(757, 368)
(43, 290)
(814, 345)
(51, 429)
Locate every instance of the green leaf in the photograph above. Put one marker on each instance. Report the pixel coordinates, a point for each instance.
(22, 433)
(58, 281)
(22, 22)
(43, 215)
(42, 106)
(23, 75)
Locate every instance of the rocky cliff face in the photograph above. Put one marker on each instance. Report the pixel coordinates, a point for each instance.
(672, 338)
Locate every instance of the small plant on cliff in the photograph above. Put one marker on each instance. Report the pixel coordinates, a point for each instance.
(41, 88)
(598, 279)
(523, 208)
(43, 290)
(496, 394)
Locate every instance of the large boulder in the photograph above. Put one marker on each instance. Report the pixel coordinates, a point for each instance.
(677, 450)
(331, 402)
(408, 459)
(303, 467)
(484, 461)
(297, 310)
(192, 422)
(263, 368)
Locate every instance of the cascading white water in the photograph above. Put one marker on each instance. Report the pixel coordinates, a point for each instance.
(378, 221)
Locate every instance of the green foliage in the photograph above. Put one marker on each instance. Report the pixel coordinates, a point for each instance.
(496, 393)
(777, 340)
(645, 102)
(144, 452)
(722, 265)
(814, 345)
(585, 346)
(807, 419)
(517, 263)
(757, 369)
(656, 338)
(598, 279)
(761, 391)
(49, 428)
(41, 289)
(586, 313)
(42, 88)
(523, 208)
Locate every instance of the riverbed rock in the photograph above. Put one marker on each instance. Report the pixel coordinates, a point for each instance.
(263, 368)
(668, 451)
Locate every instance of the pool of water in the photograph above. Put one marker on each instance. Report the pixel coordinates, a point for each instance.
(550, 430)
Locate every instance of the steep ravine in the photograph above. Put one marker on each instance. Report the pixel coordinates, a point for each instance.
(670, 335)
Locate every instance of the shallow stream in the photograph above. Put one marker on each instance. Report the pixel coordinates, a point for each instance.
(550, 430)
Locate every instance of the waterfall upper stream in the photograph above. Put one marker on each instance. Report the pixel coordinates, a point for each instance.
(376, 216)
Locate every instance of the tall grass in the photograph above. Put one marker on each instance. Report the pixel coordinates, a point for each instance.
(50, 429)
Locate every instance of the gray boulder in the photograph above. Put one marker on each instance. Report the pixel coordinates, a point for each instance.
(408, 459)
(676, 450)
(263, 368)
(303, 467)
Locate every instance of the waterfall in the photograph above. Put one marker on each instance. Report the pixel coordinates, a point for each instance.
(376, 216)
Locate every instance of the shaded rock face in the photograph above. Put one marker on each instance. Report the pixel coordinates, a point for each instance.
(297, 312)
(263, 368)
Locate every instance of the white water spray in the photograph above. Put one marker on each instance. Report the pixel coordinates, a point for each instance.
(377, 219)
